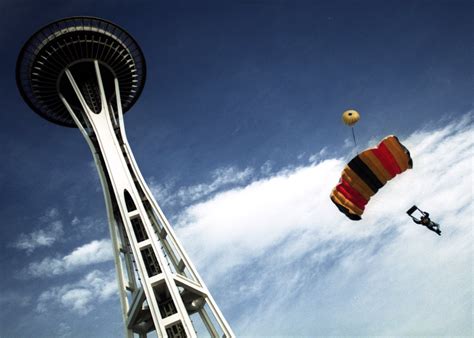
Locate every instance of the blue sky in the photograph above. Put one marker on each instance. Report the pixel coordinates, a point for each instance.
(238, 133)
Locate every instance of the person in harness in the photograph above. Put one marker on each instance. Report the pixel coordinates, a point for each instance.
(424, 220)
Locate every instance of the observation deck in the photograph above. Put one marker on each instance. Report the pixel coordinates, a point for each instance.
(72, 42)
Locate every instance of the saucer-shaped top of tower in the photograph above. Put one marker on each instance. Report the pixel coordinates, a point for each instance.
(66, 42)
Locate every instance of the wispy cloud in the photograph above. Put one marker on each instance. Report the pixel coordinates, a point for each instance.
(64, 330)
(318, 156)
(266, 168)
(8, 299)
(279, 243)
(81, 297)
(51, 231)
(221, 178)
(87, 226)
(97, 251)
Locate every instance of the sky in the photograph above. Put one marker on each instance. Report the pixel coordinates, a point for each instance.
(238, 133)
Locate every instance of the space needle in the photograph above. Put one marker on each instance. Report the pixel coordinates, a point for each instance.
(85, 73)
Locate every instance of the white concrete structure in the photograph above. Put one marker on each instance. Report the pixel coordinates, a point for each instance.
(66, 74)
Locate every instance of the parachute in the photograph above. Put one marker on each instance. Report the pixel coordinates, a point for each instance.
(350, 117)
(366, 173)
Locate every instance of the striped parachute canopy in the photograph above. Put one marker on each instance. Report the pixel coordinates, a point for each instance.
(366, 173)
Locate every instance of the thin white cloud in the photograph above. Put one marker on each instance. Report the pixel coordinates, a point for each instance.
(222, 177)
(97, 251)
(11, 298)
(75, 221)
(348, 143)
(81, 297)
(64, 330)
(51, 232)
(88, 225)
(300, 156)
(314, 158)
(280, 250)
(266, 168)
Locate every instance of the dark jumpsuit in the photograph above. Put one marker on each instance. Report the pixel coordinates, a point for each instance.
(425, 221)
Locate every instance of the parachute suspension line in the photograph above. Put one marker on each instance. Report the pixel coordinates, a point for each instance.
(353, 136)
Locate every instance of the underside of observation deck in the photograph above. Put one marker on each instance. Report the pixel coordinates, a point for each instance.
(64, 43)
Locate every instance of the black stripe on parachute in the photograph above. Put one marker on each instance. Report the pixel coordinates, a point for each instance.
(364, 172)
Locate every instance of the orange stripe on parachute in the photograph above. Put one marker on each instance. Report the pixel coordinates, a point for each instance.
(355, 181)
(338, 198)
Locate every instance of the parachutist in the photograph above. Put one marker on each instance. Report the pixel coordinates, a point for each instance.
(424, 220)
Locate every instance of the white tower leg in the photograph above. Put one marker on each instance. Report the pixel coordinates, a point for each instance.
(159, 287)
